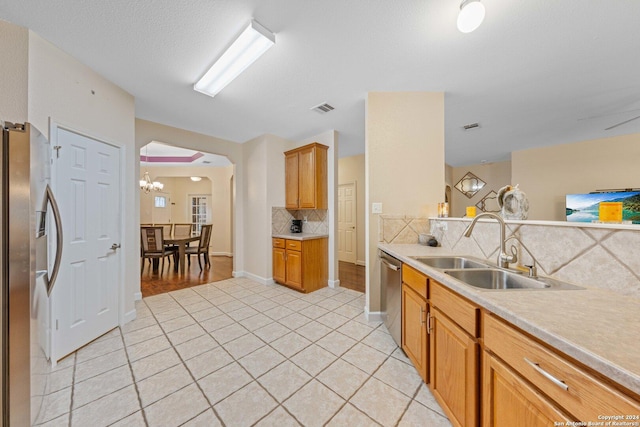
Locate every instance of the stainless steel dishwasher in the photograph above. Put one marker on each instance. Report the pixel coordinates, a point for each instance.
(391, 290)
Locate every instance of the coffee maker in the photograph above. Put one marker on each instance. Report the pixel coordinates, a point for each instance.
(296, 226)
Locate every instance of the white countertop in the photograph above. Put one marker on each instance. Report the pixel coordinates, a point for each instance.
(598, 328)
(300, 236)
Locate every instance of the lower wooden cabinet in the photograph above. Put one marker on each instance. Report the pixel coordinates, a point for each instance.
(414, 330)
(454, 370)
(509, 401)
(574, 390)
(301, 264)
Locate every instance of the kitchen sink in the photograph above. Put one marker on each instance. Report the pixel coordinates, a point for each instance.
(494, 279)
(452, 262)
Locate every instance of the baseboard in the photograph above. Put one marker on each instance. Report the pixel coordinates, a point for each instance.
(362, 263)
(373, 316)
(254, 277)
(227, 254)
(334, 283)
(137, 296)
(129, 316)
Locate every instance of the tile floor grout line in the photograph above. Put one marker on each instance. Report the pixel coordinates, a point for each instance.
(73, 383)
(133, 377)
(195, 381)
(281, 298)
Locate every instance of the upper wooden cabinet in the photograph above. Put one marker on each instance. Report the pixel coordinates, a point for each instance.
(306, 177)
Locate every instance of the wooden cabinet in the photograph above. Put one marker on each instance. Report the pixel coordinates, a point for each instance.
(454, 355)
(415, 342)
(574, 390)
(414, 330)
(521, 380)
(301, 265)
(306, 177)
(509, 401)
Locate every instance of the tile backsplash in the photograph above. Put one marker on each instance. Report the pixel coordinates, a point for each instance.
(596, 257)
(317, 220)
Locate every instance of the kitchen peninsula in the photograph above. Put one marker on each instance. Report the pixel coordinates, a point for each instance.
(587, 338)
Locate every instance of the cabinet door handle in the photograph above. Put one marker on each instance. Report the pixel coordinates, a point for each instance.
(547, 375)
(429, 323)
(422, 319)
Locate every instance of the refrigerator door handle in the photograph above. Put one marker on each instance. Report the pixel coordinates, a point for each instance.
(58, 220)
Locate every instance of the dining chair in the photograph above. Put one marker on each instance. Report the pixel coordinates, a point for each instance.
(153, 247)
(166, 228)
(182, 230)
(203, 246)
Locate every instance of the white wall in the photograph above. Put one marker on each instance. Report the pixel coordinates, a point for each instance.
(330, 139)
(351, 169)
(63, 90)
(14, 69)
(404, 165)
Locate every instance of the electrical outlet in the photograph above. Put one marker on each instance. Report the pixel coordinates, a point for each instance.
(376, 208)
(304, 219)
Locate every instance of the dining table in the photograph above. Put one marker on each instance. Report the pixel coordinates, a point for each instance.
(181, 242)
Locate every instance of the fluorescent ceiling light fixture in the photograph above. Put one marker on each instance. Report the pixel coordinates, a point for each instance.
(249, 46)
(471, 15)
(196, 178)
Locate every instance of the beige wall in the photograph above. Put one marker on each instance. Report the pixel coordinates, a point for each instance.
(14, 69)
(70, 94)
(404, 164)
(216, 182)
(264, 177)
(351, 169)
(496, 175)
(547, 174)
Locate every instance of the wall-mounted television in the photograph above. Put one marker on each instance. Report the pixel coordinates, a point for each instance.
(586, 207)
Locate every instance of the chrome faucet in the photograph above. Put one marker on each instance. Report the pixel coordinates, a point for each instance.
(503, 258)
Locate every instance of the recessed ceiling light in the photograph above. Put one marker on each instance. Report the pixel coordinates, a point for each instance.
(196, 178)
(471, 15)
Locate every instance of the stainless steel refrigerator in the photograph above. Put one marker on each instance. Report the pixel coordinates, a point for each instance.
(31, 234)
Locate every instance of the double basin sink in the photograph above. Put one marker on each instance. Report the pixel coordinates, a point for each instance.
(482, 275)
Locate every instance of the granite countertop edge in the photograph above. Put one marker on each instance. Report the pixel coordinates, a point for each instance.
(299, 236)
(578, 344)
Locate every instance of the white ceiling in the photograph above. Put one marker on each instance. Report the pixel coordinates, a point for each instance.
(536, 72)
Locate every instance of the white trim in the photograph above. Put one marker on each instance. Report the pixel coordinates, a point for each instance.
(227, 254)
(129, 316)
(137, 296)
(361, 263)
(254, 277)
(334, 283)
(373, 316)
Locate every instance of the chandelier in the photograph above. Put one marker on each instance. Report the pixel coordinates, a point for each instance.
(146, 184)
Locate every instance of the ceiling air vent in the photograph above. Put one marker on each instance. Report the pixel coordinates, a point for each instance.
(206, 162)
(322, 108)
(471, 126)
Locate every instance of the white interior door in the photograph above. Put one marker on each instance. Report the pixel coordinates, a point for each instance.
(87, 187)
(347, 222)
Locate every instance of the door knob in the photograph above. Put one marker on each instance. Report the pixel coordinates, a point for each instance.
(115, 246)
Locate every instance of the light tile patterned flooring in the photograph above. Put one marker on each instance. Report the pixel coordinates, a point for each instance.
(239, 353)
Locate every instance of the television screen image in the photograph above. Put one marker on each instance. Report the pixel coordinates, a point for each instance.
(586, 207)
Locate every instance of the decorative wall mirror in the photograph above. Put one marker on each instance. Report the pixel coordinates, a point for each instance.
(469, 185)
(489, 203)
